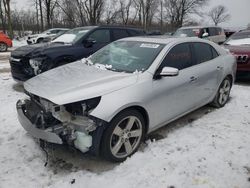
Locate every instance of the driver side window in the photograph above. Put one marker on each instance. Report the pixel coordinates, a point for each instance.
(100, 36)
(178, 57)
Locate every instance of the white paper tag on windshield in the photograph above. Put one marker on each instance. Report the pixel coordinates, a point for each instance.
(147, 45)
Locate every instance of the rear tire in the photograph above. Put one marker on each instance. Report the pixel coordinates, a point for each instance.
(3, 47)
(123, 136)
(223, 93)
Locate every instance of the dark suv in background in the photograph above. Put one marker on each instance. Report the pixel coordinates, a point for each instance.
(75, 44)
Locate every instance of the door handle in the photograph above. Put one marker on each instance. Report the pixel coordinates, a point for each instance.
(193, 79)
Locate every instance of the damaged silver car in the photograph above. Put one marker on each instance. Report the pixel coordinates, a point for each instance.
(107, 103)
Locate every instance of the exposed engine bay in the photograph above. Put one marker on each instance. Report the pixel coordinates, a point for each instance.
(71, 123)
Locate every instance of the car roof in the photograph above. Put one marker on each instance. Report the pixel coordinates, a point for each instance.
(59, 29)
(163, 39)
(119, 27)
(244, 31)
(197, 27)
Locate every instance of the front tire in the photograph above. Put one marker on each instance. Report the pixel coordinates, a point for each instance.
(123, 136)
(223, 93)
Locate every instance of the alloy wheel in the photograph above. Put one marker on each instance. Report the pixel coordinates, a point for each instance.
(126, 136)
(224, 92)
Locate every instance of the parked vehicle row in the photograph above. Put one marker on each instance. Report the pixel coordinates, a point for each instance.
(111, 86)
(75, 44)
(107, 103)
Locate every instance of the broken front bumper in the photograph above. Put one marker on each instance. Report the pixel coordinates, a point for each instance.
(44, 134)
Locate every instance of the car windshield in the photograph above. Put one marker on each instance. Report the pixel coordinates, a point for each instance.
(47, 31)
(126, 56)
(240, 38)
(72, 36)
(187, 32)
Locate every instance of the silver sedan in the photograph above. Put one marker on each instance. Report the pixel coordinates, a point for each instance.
(107, 103)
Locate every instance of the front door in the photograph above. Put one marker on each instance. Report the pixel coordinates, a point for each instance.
(176, 95)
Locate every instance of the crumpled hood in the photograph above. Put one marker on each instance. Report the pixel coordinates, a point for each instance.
(34, 49)
(77, 81)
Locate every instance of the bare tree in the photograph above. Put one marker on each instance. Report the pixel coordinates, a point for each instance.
(81, 12)
(112, 12)
(49, 7)
(2, 16)
(125, 10)
(41, 14)
(178, 10)
(7, 9)
(68, 8)
(94, 10)
(219, 14)
(146, 10)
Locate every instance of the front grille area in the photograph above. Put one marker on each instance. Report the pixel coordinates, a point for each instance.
(242, 59)
(20, 68)
(38, 116)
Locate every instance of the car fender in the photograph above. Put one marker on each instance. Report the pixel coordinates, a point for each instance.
(113, 103)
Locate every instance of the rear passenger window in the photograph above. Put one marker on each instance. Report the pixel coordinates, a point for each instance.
(100, 36)
(203, 52)
(135, 32)
(214, 52)
(212, 31)
(119, 33)
(178, 57)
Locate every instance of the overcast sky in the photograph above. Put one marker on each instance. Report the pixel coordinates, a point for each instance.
(238, 9)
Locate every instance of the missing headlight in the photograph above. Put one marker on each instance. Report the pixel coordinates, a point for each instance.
(82, 107)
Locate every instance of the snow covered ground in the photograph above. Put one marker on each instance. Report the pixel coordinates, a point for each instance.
(208, 148)
(19, 43)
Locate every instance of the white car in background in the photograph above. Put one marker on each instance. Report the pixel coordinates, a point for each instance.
(38, 38)
(212, 33)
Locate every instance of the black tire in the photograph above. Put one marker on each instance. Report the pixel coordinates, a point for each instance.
(3, 47)
(128, 140)
(223, 93)
(40, 40)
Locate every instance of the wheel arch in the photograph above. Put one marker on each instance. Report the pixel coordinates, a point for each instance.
(40, 38)
(98, 134)
(230, 77)
(66, 58)
(142, 111)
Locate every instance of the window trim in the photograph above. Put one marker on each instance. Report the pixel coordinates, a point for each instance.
(194, 54)
(113, 36)
(157, 70)
(98, 29)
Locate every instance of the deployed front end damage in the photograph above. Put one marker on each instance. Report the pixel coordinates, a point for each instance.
(69, 123)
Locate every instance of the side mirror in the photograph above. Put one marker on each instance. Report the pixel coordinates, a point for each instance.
(89, 43)
(166, 71)
(169, 71)
(204, 35)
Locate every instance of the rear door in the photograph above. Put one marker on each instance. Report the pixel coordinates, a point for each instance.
(208, 69)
